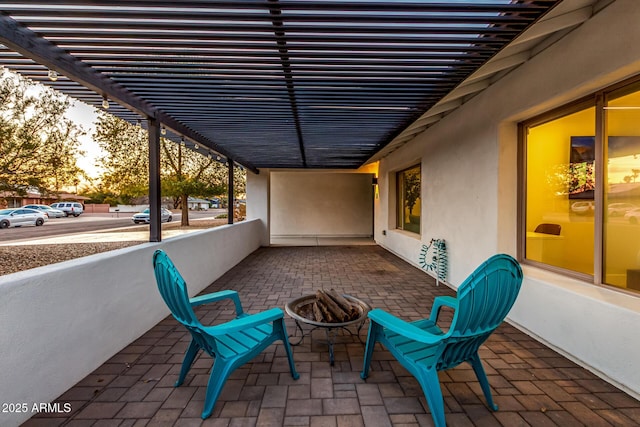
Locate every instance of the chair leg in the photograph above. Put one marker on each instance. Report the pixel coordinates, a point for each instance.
(189, 357)
(282, 331)
(219, 374)
(372, 337)
(432, 392)
(482, 379)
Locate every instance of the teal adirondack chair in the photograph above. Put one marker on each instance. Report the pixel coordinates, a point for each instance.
(231, 344)
(483, 301)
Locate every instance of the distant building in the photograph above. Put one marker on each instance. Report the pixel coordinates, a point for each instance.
(197, 204)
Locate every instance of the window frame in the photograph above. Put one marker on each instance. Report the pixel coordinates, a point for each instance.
(599, 100)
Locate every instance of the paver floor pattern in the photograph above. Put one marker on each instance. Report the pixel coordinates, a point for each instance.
(532, 385)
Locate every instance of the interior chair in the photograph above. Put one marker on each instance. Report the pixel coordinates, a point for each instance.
(423, 348)
(231, 344)
(548, 229)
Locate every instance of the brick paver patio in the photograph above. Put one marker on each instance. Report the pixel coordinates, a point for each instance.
(532, 384)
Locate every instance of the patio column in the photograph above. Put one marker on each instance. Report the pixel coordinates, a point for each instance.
(155, 227)
(259, 201)
(230, 197)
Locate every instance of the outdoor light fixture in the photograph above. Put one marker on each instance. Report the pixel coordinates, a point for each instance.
(138, 123)
(53, 75)
(196, 146)
(218, 158)
(182, 141)
(105, 103)
(163, 130)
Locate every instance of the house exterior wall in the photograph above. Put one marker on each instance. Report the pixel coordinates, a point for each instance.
(103, 302)
(333, 204)
(470, 194)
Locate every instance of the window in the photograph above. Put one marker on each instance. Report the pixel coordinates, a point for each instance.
(408, 201)
(582, 188)
(560, 191)
(621, 233)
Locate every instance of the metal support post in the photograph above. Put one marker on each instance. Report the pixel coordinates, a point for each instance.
(230, 196)
(155, 226)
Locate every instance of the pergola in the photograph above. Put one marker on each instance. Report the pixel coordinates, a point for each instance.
(277, 83)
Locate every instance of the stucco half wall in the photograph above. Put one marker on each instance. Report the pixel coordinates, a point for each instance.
(67, 319)
(470, 194)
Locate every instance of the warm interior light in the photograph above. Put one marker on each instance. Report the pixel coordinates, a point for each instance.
(105, 103)
(53, 75)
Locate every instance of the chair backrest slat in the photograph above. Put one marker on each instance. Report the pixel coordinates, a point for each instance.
(484, 300)
(173, 289)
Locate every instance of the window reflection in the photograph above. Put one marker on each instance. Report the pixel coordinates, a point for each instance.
(409, 203)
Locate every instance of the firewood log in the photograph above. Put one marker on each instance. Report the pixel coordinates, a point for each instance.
(317, 313)
(344, 304)
(326, 314)
(331, 305)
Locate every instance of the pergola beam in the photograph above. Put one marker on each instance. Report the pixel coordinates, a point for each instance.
(27, 43)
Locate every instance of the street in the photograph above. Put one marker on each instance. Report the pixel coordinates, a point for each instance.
(87, 223)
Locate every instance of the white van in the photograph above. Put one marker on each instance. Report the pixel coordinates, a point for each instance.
(69, 208)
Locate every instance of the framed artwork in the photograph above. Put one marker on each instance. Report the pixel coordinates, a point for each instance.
(581, 167)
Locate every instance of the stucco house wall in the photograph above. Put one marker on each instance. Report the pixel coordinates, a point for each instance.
(469, 192)
(309, 203)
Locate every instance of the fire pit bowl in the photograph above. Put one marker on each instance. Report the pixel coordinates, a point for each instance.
(300, 309)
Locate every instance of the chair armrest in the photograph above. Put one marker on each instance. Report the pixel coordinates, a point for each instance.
(246, 322)
(402, 327)
(438, 303)
(217, 296)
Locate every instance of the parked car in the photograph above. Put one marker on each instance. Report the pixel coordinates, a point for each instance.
(582, 208)
(619, 209)
(165, 216)
(18, 217)
(633, 215)
(69, 208)
(51, 212)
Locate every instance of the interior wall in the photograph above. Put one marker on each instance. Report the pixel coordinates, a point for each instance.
(470, 196)
(332, 204)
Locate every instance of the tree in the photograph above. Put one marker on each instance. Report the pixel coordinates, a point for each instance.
(183, 171)
(39, 146)
(126, 159)
(188, 173)
(412, 188)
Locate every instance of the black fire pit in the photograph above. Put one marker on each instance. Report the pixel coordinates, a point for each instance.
(301, 310)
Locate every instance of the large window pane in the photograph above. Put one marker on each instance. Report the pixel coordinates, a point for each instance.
(622, 194)
(560, 192)
(409, 203)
